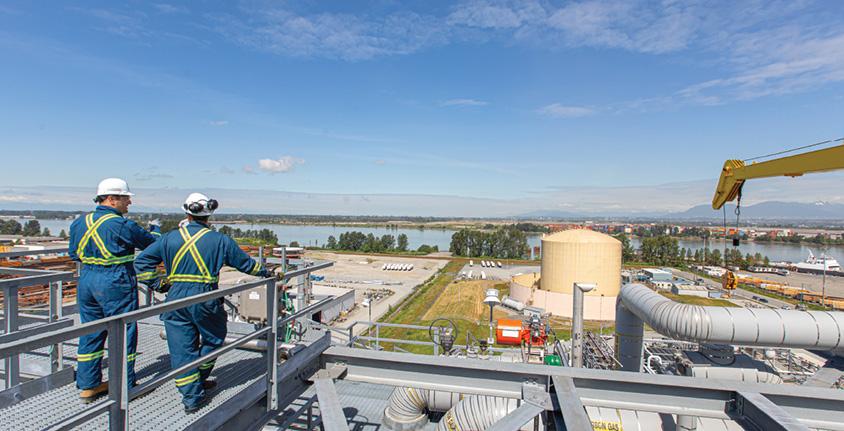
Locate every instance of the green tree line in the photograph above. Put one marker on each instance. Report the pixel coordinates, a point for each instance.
(503, 243)
(30, 228)
(665, 250)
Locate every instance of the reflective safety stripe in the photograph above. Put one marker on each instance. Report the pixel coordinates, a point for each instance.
(112, 261)
(188, 379)
(131, 357)
(146, 276)
(207, 365)
(189, 246)
(92, 234)
(85, 357)
(256, 268)
(191, 278)
(156, 233)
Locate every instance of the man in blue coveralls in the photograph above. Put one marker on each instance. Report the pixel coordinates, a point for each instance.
(105, 243)
(193, 255)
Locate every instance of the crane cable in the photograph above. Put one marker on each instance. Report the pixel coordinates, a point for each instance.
(793, 149)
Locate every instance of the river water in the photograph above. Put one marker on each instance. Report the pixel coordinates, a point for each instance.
(318, 235)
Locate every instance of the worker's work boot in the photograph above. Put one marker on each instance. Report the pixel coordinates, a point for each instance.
(195, 408)
(209, 384)
(89, 395)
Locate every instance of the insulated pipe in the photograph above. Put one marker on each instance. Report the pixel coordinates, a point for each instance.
(819, 330)
(407, 408)
(477, 413)
(629, 331)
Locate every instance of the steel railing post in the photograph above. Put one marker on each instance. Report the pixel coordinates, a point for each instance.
(351, 335)
(117, 376)
(10, 317)
(56, 312)
(377, 335)
(272, 348)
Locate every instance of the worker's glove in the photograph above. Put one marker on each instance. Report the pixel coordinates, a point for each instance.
(160, 285)
(155, 222)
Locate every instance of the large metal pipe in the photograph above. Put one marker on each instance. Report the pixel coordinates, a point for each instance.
(407, 408)
(577, 322)
(477, 412)
(819, 330)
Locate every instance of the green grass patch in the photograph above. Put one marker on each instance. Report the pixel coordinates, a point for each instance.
(697, 300)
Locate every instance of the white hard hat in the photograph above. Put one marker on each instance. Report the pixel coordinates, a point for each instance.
(199, 205)
(113, 186)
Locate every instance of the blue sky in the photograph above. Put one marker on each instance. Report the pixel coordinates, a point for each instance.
(504, 101)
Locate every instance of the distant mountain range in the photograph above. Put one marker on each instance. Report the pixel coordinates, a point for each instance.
(771, 210)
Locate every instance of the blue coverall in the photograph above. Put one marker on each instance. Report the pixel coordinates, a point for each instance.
(193, 256)
(105, 243)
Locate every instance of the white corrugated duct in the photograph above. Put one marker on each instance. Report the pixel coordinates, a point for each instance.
(407, 409)
(637, 304)
(476, 412)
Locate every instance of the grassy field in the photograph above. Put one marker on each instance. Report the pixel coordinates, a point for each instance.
(696, 300)
(444, 297)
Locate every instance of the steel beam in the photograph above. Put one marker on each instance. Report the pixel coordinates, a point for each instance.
(35, 280)
(35, 387)
(679, 395)
(10, 317)
(118, 387)
(24, 271)
(9, 254)
(35, 330)
(247, 410)
(567, 406)
(515, 419)
(762, 413)
(330, 410)
(82, 417)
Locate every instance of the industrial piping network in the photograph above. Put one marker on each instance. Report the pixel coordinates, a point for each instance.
(637, 305)
(407, 409)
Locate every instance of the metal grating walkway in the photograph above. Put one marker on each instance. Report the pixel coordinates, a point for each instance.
(160, 410)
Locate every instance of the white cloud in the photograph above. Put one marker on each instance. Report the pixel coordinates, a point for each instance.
(556, 110)
(218, 123)
(495, 15)
(380, 162)
(168, 9)
(464, 102)
(276, 166)
(249, 170)
(333, 35)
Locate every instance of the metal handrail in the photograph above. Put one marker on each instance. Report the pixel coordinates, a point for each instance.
(39, 341)
(119, 395)
(11, 312)
(10, 254)
(378, 339)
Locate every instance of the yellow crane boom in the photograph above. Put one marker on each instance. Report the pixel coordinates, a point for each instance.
(735, 172)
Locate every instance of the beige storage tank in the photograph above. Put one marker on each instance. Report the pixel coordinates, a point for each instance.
(581, 255)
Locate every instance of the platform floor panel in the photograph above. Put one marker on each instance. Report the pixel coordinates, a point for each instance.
(363, 404)
(161, 409)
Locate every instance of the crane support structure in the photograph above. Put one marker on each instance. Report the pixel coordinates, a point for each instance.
(735, 172)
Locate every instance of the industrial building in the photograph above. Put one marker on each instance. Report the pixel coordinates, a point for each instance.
(655, 274)
(570, 256)
(680, 288)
